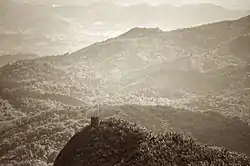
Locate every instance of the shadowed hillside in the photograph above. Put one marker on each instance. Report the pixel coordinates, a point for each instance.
(117, 142)
(42, 128)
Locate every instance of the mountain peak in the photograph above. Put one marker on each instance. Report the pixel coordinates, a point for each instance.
(139, 32)
(246, 18)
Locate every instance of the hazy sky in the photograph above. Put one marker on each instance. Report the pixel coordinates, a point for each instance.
(226, 3)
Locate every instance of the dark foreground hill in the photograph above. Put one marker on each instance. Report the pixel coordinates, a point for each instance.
(34, 135)
(120, 143)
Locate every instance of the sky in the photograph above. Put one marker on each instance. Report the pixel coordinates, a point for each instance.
(243, 4)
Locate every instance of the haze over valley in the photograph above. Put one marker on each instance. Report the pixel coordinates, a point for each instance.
(56, 27)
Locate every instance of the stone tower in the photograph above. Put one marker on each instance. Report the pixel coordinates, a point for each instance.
(94, 121)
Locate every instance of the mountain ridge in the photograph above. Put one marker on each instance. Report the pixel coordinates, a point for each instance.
(49, 32)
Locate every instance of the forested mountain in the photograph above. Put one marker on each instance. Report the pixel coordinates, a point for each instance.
(194, 81)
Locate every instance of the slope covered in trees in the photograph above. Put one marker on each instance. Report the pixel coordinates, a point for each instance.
(45, 127)
(194, 81)
(117, 142)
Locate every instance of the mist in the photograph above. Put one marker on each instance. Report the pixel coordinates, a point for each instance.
(56, 27)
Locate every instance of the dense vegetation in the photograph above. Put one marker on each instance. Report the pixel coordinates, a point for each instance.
(40, 132)
(117, 142)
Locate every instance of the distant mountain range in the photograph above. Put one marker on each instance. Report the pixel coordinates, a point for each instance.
(48, 29)
(231, 4)
(6, 59)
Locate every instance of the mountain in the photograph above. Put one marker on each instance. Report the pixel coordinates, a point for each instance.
(194, 81)
(143, 58)
(51, 29)
(178, 65)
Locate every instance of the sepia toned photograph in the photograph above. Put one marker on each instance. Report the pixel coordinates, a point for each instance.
(124, 82)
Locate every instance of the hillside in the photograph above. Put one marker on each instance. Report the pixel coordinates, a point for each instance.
(179, 65)
(188, 62)
(194, 81)
(117, 142)
(43, 128)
